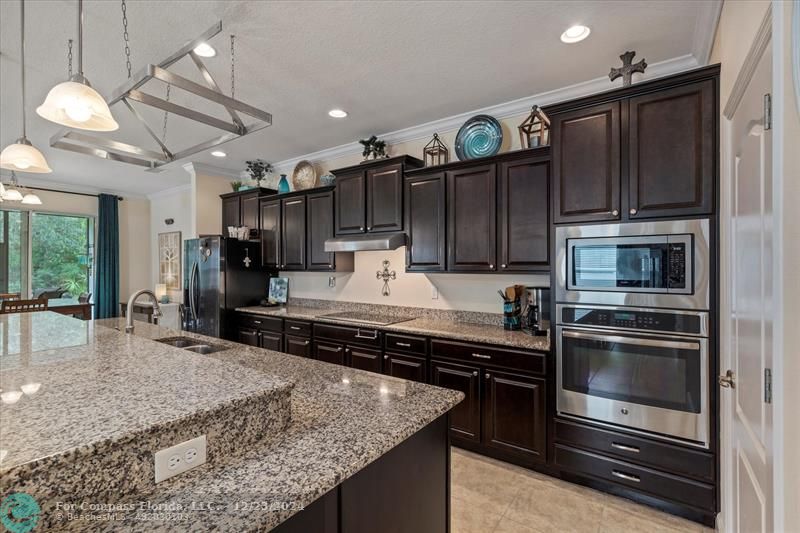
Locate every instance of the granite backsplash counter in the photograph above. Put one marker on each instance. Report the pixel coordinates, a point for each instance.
(446, 324)
(341, 419)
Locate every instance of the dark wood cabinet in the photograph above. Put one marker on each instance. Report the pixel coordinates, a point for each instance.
(249, 211)
(293, 230)
(231, 213)
(271, 340)
(364, 358)
(350, 203)
(514, 414)
(330, 352)
(465, 418)
(406, 367)
(248, 336)
(300, 346)
(471, 218)
(425, 223)
(523, 207)
(586, 164)
(672, 151)
(385, 198)
(270, 223)
(320, 228)
(241, 208)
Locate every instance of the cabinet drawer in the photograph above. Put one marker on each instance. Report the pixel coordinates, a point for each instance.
(674, 459)
(487, 355)
(297, 327)
(405, 343)
(406, 367)
(300, 346)
(659, 484)
(363, 336)
(261, 322)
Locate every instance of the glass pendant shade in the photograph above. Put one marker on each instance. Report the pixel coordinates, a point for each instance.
(31, 199)
(23, 156)
(76, 105)
(12, 194)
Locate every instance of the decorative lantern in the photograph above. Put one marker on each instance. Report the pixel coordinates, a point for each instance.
(435, 152)
(535, 129)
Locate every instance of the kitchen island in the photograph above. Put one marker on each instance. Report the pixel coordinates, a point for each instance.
(292, 443)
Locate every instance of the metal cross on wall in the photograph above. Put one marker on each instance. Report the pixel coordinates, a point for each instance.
(386, 275)
(627, 69)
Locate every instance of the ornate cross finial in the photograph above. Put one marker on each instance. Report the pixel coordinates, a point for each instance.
(627, 69)
(385, 276)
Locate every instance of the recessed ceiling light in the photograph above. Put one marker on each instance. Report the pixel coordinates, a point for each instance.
(575, 34)
(337, 113)
(205, 50)
(218, 153)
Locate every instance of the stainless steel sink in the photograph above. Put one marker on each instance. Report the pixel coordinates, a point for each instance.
(192, 345)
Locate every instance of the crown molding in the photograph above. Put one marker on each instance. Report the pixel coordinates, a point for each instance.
(705, 29)
(170, 191)
(195, 168)
(500, 111)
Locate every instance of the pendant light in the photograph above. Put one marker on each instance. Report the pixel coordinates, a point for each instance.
(22, 155)
(15, 193)
(74, 103)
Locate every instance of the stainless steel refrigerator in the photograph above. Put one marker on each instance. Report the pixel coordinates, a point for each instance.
(219, 275)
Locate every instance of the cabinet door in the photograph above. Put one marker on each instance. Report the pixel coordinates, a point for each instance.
(672, 156)
(272, 341)
(248, 336)
(300, 346)
(465, 418)
(586, 164)
(524, 209)
(330, 352)
(364, 358)
(406, 367)
(425, 223)
(293, 236)
(230, 213)
(385, 198)
(320, 228)
(249, 211)
(350, 204)
(270, 220)
(514, 414)
(471, 219)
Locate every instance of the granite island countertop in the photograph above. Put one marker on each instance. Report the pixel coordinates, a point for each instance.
(342, 419)
(433, 327)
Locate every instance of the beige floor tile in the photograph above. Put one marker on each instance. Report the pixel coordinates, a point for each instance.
(509, 526)
(653, 515)
(466, 518)
(619, 521)
(485, 486)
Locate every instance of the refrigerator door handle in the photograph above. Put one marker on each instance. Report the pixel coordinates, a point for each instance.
(192, 282)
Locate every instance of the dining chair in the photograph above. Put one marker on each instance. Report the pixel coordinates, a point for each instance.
(22, 306)
(85, 297)
(10, 295)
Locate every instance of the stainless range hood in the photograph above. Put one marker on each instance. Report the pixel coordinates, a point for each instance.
(360, 243)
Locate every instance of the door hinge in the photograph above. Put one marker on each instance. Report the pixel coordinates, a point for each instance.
(767, 112)
(767, 385)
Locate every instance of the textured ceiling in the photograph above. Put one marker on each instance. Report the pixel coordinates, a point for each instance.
(391, 65)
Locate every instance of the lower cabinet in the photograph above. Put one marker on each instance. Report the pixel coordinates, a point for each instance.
(295, 345)
(248, 336)
(330, 352)
(465, 418)
(364, 358)
(271, 340)
(405, 367)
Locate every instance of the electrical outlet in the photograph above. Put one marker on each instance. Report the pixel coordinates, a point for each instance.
(180, 458)
(434, 292)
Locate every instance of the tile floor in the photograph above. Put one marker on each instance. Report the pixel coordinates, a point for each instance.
(490, 496)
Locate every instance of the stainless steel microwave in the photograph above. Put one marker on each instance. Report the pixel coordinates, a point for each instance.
(659, 264)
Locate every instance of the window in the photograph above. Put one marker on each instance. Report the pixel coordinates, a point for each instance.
(45, 252)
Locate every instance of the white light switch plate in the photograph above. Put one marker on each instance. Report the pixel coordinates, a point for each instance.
(180, 458)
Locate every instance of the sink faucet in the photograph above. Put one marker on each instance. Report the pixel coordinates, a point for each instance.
(129, 316)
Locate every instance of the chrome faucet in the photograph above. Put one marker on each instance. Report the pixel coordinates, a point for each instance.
(129, 314)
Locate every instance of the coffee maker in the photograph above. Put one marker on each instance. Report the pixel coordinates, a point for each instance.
(536, 317)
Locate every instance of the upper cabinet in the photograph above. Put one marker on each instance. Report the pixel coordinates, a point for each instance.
(241, 209)
(425, 223)
(369, 196)
(472, 218)
(644, 151)
(293, 240)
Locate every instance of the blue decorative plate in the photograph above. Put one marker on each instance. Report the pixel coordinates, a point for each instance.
(480, 136)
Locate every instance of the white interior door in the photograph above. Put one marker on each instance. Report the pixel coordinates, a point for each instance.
(750, 257)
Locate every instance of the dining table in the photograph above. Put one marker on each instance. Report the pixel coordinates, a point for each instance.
(70, 307)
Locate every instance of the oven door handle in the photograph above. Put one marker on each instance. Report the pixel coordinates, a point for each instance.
(633, 340)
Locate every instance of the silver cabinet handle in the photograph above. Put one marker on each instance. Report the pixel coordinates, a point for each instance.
(347, 350)
(626, 477)
(294, 328)
(503, 265)
(369, 228)
(475, 373)
(625, 448)
(361, 228)
(632, 211)
(305, 343)
(615, 212)
(372, 337)
(386, 357)
(491, 265)
(488, 375)
(481, 356)
(256, 322)
(403, 344)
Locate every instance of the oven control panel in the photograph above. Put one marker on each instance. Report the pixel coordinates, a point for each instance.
(641, 319)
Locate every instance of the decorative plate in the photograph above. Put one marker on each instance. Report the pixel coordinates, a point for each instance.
(480, 136)
(304, 176)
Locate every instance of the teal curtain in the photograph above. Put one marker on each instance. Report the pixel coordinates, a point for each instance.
(106, 294)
